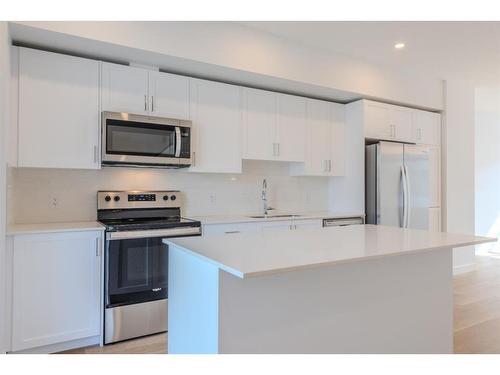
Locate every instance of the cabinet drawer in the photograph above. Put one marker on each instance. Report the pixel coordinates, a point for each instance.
(233, 228)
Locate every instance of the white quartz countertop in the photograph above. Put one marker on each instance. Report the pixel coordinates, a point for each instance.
(254, 254)
(228, 219)
(77, 226)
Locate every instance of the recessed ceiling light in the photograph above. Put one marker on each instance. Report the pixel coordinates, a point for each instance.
(399, 45)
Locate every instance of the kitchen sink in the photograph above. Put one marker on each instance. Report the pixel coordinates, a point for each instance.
(273, 216)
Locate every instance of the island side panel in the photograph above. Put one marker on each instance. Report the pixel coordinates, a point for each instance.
(397, 304)
(193, 290)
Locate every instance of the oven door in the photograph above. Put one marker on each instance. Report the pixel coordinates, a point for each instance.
(136, 271)
(133, 140)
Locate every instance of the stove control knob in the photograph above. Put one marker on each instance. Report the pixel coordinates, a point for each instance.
(173, 198)
(107, 198)
(165, 197)
(117, 198)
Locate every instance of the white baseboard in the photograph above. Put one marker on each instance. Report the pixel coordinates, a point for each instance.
(457, 270)
(59, 347)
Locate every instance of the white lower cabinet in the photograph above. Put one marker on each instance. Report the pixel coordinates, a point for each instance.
(258, 226)
(215, 229)
(56, 288)
(291, 224)
(305, 224)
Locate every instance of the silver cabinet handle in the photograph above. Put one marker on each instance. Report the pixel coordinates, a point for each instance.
(97, 252)
(95, 154)
(232, 232)
(278, 149)
(152, 104)
(145, 103)
(194, 158)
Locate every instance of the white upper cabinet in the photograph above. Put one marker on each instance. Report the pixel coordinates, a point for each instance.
(400, 119)
(291, 128)
(274, 126)
(377, 121)
(136, 90)
(338, 141)
(426, 127)
(396, 123)
(319, 129)
(58, 114)
(216, 116)
(325, 140)
(56, 291)
(168, 95)
(124, 89)
(259, 124)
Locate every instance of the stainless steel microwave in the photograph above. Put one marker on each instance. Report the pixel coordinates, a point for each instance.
(145, 141)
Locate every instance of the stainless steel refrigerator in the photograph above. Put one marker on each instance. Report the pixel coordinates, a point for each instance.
(397, 185)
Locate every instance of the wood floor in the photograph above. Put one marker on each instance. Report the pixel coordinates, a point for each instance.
(476, 308)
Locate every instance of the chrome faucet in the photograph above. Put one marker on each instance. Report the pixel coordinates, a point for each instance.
(264, 198)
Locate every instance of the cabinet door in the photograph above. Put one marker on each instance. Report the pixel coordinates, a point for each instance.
(427, 128)
(319, 140)
(308, 224)
(259, 124)
(401, 120)
(435, 176)
(291, 129)
(58, 111)
(216, 116)
(376, 121)
(169, 95)
(124, 89)
(233, 228)
(273, 226)
(56, 288)
(338, 140)
(435, 219)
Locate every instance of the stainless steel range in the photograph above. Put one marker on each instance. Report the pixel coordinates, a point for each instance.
(136, 260)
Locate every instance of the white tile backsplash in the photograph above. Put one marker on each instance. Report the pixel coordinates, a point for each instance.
(53, 195)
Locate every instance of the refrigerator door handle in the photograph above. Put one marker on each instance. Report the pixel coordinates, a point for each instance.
(403, 181)
(408, 191)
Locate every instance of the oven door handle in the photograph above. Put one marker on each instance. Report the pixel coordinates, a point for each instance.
(127, 235)
(177, 141)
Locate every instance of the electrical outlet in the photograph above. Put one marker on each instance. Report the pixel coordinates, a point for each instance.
(213, 199)
(308, 197)
(54, 201)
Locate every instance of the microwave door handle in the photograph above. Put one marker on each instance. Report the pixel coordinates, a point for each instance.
(177, 141)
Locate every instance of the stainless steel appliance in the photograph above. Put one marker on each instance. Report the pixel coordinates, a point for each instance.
(397, 185)
(342, 221)
(144, 141)
(136, 260)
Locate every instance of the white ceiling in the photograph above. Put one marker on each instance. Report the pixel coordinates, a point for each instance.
(469, 50)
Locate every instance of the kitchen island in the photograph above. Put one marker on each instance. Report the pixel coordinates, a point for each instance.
(356, 289)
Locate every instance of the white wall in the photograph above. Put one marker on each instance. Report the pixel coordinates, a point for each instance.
(458, 159)
(487, 165)
(31, 191)
(4, 118)
(239, 49)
